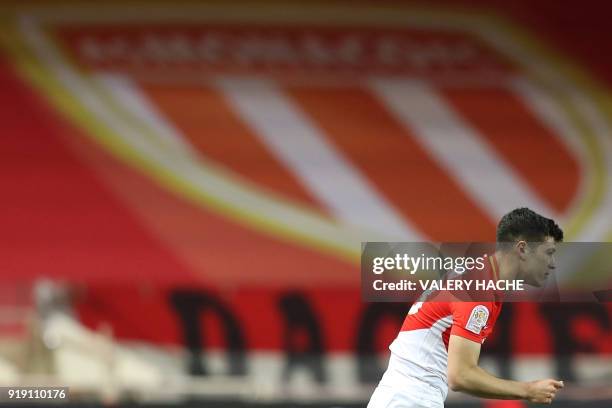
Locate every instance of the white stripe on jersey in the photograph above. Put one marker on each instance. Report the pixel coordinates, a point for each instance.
(420, 354)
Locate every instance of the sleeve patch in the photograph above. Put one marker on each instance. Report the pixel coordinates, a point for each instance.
(478, 319)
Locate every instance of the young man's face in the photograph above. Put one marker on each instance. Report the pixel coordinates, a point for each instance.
(539, 262)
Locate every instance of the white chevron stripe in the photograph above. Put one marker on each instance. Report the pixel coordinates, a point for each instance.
(458, 147)
(132, 100)
(303, 148)
(545, 108)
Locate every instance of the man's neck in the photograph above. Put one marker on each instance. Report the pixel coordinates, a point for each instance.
(508, 268)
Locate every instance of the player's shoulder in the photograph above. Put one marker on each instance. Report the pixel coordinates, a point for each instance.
(475, 320)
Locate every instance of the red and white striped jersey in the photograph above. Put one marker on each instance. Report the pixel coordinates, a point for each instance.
(420, 350)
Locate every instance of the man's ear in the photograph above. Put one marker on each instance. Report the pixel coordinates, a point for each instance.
(521, 249)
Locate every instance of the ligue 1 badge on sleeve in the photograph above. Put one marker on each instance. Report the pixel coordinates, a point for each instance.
(478, 319)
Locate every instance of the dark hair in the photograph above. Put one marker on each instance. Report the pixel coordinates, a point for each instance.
(528, 225)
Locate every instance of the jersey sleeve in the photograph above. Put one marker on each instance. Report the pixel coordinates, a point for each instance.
(473, 320)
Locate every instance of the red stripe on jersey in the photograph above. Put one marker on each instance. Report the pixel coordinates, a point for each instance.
(424, 315)
(446, 337)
